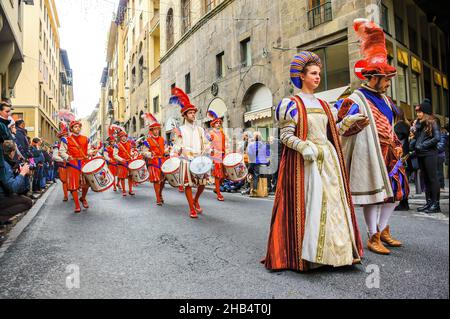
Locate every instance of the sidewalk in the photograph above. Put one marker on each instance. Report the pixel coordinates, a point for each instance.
(13, 221)
(416, 200)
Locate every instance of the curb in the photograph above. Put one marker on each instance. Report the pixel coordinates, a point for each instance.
(25, 221)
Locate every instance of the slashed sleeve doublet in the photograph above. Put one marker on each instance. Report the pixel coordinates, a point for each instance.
(287, 116)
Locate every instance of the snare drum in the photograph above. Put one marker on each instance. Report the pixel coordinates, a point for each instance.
(97, 174)
(200, 167)
(138, 171)
(235, 168)
(171, 170)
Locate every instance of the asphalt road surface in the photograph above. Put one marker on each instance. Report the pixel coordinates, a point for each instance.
(130, 248)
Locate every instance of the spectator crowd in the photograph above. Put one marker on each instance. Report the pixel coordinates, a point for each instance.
(26, 167)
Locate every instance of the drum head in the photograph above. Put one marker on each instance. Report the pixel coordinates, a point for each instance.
(93, 165)
(233, 159)
(171, 165)
(137, 164)
(201, 165)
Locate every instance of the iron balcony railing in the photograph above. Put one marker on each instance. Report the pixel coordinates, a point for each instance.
(320, 14)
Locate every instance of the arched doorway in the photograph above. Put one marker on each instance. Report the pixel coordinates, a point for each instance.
(258, 103)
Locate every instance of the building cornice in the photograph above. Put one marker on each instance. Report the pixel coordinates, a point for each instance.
(196, 27)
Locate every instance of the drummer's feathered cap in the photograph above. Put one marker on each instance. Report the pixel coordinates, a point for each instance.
(65, 117)
(214, 118)
(114, 131)
(298, 64)
(151, 121)
(63, 130)
(182, 99)
(373, 49)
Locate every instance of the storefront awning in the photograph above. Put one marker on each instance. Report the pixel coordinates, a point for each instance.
(332, 96)
(258, 114)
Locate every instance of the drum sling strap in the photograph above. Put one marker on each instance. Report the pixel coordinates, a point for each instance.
(82, 153)
(129, 155)
(162, 152)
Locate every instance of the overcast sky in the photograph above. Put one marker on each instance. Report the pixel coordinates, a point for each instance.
(83, 33)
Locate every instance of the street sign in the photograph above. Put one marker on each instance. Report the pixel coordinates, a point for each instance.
(359, 66)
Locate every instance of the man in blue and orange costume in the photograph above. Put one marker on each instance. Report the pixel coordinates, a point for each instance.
(190, 142)
(373, 153)
(123, 155)
(154, 151)
(76, 150)
(217, 138)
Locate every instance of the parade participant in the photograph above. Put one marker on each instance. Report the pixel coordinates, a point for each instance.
(190, 142)
(135, 155)
(373, 154)
(313, 221)
(75, 150)
(218, 139)
(154, 152)
(123, 156)
(60, 162)
(108, 155)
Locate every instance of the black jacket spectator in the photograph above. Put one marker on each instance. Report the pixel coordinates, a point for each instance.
(424, 144)
(5, 135)
(22, 142)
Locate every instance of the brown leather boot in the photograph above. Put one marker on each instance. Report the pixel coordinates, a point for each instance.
(386, 238)
(375, 245)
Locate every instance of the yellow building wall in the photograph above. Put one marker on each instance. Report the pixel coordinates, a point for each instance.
(39, 117)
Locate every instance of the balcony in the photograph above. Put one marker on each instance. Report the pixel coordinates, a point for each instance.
(156, 74)
(320, 15)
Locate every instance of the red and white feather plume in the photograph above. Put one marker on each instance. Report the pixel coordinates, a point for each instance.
(150, 120)
(66, 116)
(182, 99)
(373, 48)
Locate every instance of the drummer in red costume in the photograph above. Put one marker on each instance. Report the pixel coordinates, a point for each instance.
(123, 155)
(154, 151)
(108, 155)
(217, 138)
(190, 142)
(75, 149)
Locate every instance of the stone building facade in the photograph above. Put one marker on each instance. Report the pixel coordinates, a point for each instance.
(237, 53)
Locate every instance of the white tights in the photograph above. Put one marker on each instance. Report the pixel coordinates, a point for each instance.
(371, 216)
(385, 215)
